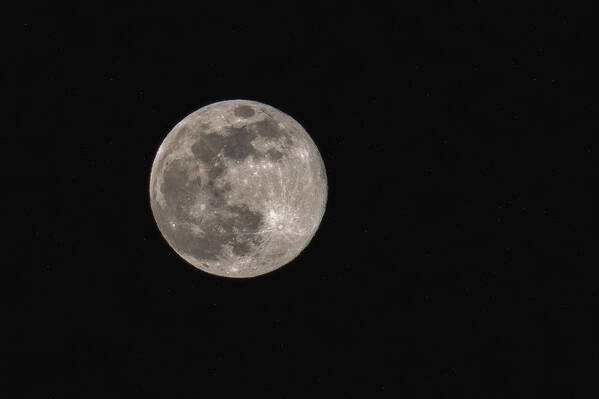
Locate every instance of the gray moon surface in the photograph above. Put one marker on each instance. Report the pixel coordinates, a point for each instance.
(238, 188)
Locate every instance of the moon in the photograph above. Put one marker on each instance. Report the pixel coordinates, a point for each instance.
(238, 188)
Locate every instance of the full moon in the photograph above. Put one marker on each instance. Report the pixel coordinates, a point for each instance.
(238, 188)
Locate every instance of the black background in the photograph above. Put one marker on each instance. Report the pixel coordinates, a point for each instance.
(455, 254)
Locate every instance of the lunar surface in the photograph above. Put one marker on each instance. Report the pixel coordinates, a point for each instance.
(238, 188)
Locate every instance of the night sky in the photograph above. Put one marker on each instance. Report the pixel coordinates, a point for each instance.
(455, 257)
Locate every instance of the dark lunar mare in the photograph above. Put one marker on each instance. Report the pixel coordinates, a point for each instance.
(177, 188)
(244, 111)
(236, 145)
(267, 128)
(233, 225)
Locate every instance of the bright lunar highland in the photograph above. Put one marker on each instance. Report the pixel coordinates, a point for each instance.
(238, 188)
